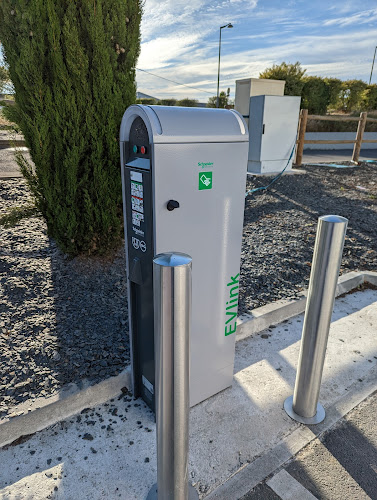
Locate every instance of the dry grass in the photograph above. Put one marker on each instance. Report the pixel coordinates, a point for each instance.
(340, 126)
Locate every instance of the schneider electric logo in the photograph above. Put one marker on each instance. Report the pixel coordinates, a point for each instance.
(205, 165)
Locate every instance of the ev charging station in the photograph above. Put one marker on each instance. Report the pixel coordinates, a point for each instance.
(184, 177)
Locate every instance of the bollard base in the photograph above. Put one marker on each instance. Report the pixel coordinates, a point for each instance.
(318, 417)
(192, 493)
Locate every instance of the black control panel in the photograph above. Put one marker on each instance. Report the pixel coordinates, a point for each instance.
(139, 220)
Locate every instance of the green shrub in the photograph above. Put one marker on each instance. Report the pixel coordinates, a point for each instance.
(71, 64)
(148, 101)
(334, 86)
(369, 98)
(351, 95)
(15, 214)
(291, 73)
(168, 102)
(188, 103)
(315, 95)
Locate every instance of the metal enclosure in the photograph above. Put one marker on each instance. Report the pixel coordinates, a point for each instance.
(195, 158)
(273, 130)
(250, 87)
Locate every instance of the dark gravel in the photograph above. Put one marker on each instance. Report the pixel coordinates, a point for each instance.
(280, 226)
(65, 321)
(61, 320)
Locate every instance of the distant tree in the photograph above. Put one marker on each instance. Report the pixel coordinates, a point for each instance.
(4, 78)
(291, 73)
(72, 67)
(334, 86)
(168, 102)
(351, 95)
(315, 95)
(223, 100)
(369, 98)
(188, 103)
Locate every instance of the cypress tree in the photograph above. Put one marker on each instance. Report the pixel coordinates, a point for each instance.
(72, 67)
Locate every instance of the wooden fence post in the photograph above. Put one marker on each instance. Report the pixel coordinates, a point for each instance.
(359, 137)
(301, 136)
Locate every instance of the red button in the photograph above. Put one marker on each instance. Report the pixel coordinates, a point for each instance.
(143, 150)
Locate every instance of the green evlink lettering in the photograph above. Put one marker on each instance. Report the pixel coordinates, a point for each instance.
(233, 302)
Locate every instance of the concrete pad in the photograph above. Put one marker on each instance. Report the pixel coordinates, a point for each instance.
(239, 433)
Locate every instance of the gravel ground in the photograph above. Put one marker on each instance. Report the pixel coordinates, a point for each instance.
(280, 226)
(61, 320)
(64, 320)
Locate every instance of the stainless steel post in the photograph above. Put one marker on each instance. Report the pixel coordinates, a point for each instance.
(172, 303)
(303, 406)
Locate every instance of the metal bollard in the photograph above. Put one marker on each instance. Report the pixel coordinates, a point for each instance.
(303, 406)
(172, 302)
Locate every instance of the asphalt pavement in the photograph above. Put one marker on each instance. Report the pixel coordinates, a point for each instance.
(339, 465)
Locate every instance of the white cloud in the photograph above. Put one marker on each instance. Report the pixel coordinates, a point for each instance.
(364, 17)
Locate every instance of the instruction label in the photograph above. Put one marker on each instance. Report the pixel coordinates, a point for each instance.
(137, 201)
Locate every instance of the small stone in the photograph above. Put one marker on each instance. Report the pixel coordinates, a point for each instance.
(93, 450)
(146, 460)
(88, 437)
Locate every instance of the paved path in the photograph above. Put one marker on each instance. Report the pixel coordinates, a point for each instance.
(8, 166)
(237, 438)
(341, 465)
(335, 155)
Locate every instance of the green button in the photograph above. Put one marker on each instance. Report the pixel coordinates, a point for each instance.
(135, 148)
(205, 180)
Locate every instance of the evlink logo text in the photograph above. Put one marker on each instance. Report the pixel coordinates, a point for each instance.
(232, 305)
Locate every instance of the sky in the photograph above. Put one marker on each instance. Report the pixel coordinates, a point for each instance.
(180, 41)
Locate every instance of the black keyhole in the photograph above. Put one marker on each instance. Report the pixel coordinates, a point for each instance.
(172, 204)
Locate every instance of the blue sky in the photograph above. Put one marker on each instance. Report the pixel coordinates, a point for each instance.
(180, 41)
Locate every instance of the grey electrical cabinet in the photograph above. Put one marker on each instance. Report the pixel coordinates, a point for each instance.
(184, 176)
(273, 122)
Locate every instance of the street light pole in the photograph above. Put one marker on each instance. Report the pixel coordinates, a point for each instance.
(229, 25)
(370, 79)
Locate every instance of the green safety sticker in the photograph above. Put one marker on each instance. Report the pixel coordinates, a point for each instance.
(205, 180)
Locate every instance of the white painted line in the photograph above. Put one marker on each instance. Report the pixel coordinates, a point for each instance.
(288, 488)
